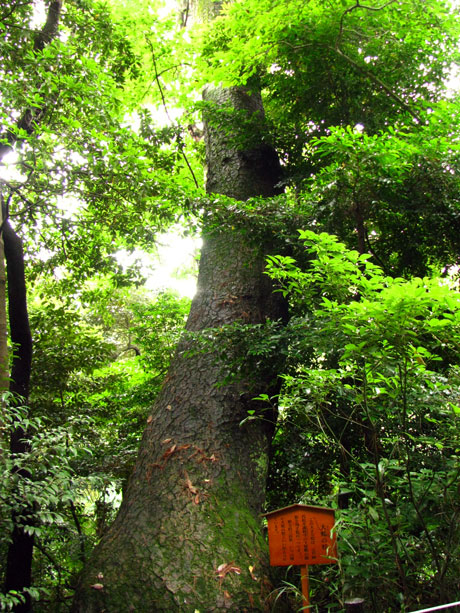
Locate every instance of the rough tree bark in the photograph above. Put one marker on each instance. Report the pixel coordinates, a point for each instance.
(188, 535)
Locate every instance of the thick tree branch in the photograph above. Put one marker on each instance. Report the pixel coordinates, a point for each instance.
(18, 573)
(50, 29)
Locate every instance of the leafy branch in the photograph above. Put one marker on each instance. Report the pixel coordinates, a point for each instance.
(31, 116)
(352, 8)
(361, 68)
(371, 76)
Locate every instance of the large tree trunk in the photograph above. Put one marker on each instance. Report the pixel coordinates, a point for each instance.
(188, 535)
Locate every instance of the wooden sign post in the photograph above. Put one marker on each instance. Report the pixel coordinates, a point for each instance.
(301, 535)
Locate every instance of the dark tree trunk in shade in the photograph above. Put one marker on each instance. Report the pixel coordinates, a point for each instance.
(18, 573)
(188, 535)
(19, 558)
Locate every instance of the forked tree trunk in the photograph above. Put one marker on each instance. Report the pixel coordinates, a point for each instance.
(188, 535)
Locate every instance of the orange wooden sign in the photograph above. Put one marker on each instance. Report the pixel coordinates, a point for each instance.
(301, 535)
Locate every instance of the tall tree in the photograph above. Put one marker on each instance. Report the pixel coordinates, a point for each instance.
(18, 575)
(41, 99)
(188, 535)
(4, 358)
(198, 467)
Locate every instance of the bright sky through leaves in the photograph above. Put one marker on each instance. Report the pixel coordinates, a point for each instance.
(174, 265)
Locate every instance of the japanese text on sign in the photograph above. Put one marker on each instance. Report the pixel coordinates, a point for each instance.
(301, 535)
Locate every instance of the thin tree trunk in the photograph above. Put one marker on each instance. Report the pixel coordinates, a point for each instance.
(188, 535)
(20, 551)
(19, 558)
(4, 357)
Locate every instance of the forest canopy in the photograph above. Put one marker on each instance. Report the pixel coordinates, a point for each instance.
(314, 147)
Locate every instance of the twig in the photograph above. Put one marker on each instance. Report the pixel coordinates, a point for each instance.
(81, 537)
(16, 190)
(355, 64)
(406, 438)
(53, 561)
(15, 6)
(378, 82)
(352, 8)
(363, 70)
(165, 106)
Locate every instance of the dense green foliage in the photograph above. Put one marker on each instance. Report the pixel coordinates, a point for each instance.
(371, 417)
(96, 372)
(359, 110)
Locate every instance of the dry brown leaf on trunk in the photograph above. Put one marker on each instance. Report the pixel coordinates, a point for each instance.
(223, 570)
(169, 452)
(191, 488)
